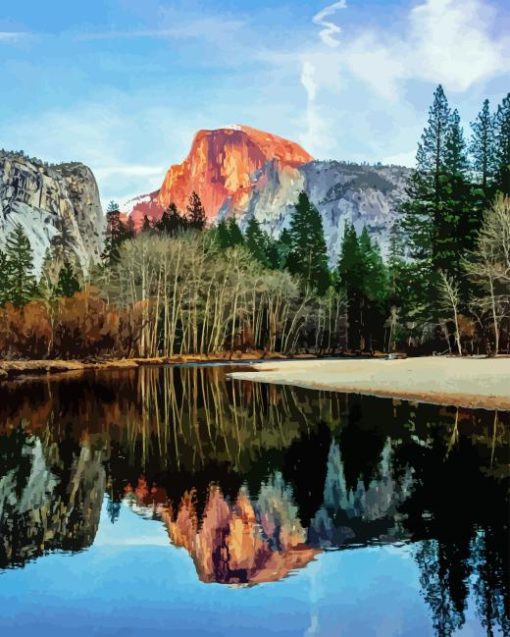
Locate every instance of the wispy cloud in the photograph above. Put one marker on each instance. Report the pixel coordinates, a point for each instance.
(453, 42)
(208, 28)
(331, 29)
(12, 36)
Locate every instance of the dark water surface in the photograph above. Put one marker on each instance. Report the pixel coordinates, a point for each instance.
(173, 501)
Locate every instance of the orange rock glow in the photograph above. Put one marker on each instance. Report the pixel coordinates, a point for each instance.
(223, 167)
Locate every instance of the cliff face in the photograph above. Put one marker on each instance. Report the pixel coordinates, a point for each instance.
(359, 194)
(54, 205)
(223, 167)
(243, 172)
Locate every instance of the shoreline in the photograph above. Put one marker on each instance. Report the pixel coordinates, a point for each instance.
(475, 383)
(12, 369)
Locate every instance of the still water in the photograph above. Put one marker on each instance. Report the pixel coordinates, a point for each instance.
(174, 501)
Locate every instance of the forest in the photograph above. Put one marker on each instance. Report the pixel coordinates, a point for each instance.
(177, 286)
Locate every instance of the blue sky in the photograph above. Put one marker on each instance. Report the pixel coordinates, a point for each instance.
(123, 85)
(133, 582)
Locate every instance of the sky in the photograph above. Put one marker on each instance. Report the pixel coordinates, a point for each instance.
(109, 590)
(123, 85)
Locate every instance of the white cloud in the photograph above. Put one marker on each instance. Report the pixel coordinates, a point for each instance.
(453, 42)
(208, 28)
(331, 29)
(12, 36)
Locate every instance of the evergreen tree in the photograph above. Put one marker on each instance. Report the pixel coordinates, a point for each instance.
(197, 218)
(234, 233)
(20, 267)
(222, 235)
(423, 208)
(482, 146)
(308, 257)
(172, 222)
(130, 228)
(147, 225)
(456, 227)
(282, 249)
(68, 282)
(502, 146)
(441, 214)
(115, 234)
(375, 284)
(351, 276)
(4, 278)
(257, 242)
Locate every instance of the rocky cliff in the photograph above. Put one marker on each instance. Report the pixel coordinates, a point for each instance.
(243, 172)
(55, 204)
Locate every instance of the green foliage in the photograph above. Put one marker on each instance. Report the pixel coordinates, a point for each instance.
(116, 234)
(171, 222)
(482, 147)
(227, 234)
(502, 146)
(258, 242)
(4, 287)
(363, 278)
(307, 257)
(19, 267)
(441, 215)
(234, 231)
(68, 282)
(197, 218)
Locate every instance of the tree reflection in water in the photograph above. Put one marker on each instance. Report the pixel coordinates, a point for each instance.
(254, 481)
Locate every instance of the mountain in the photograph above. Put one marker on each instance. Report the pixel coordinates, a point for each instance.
(240, 171)
(223, 167)
(55, 205)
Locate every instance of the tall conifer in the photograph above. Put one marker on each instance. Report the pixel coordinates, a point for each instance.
(308, 257)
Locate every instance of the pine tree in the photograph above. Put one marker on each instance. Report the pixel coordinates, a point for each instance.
(68, 282)
(283, 246)
(130, 229)
(115, 234)
(375, 283)
(172, 222)
(423, 208)
(308, 257)
(234, 233)
(482, 146)
(147, 225)
(257, 242)
(20, 267)
(351, 277)
(456, 227)
(441, 214)
(197, 218)
(502, 146)
(4, 278)
(222, 235)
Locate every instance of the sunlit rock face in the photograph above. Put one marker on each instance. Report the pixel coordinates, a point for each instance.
(247, 541)
(223, 167)
(57, 204)
(243, 172)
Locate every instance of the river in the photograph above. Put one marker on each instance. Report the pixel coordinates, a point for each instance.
(174, 501)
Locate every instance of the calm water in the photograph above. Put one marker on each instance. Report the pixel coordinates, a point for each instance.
(176, 502)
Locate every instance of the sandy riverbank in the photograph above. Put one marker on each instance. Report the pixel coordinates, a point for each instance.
(466, 382)
(14, 369)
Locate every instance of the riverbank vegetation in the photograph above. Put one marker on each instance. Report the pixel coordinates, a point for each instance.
(176, 286)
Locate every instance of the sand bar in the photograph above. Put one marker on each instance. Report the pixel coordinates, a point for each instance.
(466, 382)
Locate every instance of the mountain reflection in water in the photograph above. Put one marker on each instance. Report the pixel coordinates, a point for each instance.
(256, 481)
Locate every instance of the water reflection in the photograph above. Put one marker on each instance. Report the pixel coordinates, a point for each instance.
(255, 481)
